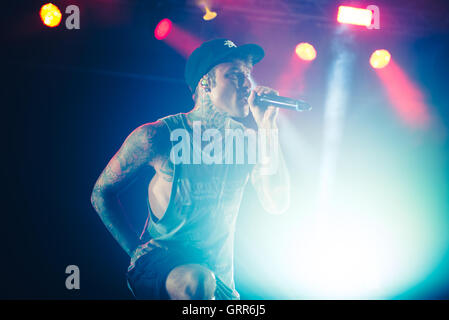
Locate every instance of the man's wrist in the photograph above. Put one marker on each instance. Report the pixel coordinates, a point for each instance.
(268, 125)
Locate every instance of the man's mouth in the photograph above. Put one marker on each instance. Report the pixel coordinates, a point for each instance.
(243, 97)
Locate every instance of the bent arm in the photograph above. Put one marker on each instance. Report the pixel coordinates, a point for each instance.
(270, 177)
(135, 155)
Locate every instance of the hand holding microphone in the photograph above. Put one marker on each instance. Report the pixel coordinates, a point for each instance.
(282, 102)
(264, 114)
(263, 99)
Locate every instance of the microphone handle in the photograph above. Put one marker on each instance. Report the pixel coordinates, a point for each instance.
(283, 102)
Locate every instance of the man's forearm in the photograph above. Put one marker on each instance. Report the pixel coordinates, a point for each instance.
(272, 183)
(270, 175)
(111, 212)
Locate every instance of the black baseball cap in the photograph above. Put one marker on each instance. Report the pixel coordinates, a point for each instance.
(214, 52)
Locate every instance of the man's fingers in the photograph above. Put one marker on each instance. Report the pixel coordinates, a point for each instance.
(251, 98)
(265, 90)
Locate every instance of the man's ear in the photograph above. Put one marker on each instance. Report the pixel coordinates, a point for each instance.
(204, 82)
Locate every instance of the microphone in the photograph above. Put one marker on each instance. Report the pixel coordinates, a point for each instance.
(282, 102)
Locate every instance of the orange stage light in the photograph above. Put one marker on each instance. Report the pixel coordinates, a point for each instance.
(209, 14)
(305, 51)
(357, 16)
(380, 59)
(50, 15)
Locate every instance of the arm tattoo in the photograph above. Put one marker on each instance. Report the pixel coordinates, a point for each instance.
(136, 153)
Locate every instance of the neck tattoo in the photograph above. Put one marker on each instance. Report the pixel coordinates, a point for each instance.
(208, 114)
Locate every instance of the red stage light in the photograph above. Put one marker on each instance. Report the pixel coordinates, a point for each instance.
(163, 28)
(357, 16)
(50, 15)
(380, 59)
(305, 51)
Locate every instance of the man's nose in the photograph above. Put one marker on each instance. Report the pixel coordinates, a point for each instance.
(246, 84)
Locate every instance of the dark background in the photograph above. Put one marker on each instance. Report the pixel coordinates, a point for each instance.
(70, 97)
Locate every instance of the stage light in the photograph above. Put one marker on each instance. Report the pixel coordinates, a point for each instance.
(305, 51)
(405, 96)
(356, 16)
(50, 15)
(163, 29)
(209, 14)
(380, 59)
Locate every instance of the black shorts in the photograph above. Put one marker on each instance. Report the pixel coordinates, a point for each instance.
(147, 278)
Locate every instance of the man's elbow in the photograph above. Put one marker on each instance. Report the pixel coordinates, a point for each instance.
(95, 198)
(98, 197)
(278, 210)
(278, 205)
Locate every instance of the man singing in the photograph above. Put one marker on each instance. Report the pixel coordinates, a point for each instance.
(186, 248)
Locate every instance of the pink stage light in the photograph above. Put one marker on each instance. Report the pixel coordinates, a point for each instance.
(182, 41)
(163, 29)
(292, 80)
(405, 96)
(356, 16)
